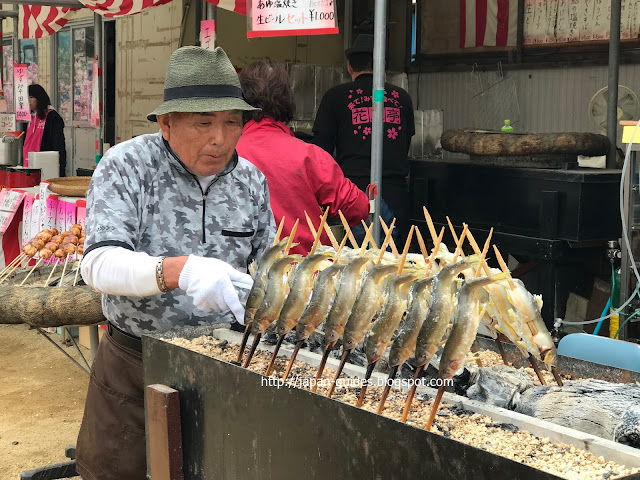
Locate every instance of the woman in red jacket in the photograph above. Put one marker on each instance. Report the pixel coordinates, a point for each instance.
(301, 177)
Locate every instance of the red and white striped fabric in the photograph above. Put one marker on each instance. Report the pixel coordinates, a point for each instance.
(36, 21)
(485, 23)
(118, 8)
(238, 6)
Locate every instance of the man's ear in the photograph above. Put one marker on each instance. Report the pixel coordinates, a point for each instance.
(165, 125)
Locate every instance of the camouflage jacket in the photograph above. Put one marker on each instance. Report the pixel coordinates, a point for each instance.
(143, 198)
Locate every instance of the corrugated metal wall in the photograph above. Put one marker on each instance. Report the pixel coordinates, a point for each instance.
(548, 100)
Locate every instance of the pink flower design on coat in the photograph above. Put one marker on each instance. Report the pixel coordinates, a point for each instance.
(392, 133)
(367, 130)
(395, 94)
(359, 91)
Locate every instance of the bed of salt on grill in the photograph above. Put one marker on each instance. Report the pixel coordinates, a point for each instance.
(452, 421)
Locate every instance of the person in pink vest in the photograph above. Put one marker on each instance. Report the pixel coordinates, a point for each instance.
(301, 176)
(45, 131)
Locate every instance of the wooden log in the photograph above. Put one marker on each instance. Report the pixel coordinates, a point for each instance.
(50, 307)
(474, 142)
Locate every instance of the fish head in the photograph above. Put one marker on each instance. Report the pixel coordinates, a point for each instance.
(449, 369)
(549, 356)
(332, 335)
(348, 343)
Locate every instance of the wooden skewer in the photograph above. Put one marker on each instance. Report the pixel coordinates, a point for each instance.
(64, 269)
(476, 249)
(423, 247)
(367, 237)
(75, 279)
(459, 245)
(291, 235)
(532, 360)
(19, 264)
(348, 231)
(316, 240)
(487, 270)
(434, 407)
(394, 249)
(503, 266)
(18, 259)
(340, 247)
(432, 229)
(383, 249)
(55, 264)
(403, 258)
(453, 234)
(279, 232)
(410, 395)
(12, 266)
(323, 362)
(29, 274)
(434, 252)
(310, 224)
(372, 241)
(332, 237)
(485, 249)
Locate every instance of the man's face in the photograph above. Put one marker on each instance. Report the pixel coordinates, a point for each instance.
(205, 142)
(33, 104)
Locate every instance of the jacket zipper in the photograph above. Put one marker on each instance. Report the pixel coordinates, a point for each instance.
(204, 206)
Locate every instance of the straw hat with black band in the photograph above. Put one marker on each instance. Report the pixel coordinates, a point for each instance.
(198, 81)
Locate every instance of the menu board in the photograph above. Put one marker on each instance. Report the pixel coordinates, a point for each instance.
(273, 18)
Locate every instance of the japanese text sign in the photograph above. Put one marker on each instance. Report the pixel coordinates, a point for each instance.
(95, 94)
(271, 18)
(21, 94)
(7, 122)
(208, 34)
(10, 201)
(26, 219)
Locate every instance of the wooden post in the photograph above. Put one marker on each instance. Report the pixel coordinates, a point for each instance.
(164, 433)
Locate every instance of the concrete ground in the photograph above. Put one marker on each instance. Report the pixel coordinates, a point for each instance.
(41, 400)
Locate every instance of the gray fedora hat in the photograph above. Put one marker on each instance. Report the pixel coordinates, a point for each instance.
(200, 80)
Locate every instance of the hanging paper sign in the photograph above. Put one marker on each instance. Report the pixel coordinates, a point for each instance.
(208, 34)
(69, 214)
(95, 94)
(10, 201)
(276, 18)
(7, 122)
(21, 95)
(27, 211)
(51, 210)
(60, 216)
(35, 216)
(81, 214)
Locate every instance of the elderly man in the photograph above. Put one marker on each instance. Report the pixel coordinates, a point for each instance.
(174, 219)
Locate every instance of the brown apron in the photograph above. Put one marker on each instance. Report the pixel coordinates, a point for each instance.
(111, 443)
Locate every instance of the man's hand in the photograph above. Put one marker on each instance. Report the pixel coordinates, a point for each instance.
(209, 282)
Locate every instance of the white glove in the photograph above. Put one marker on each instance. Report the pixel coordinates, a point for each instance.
(209, 282)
